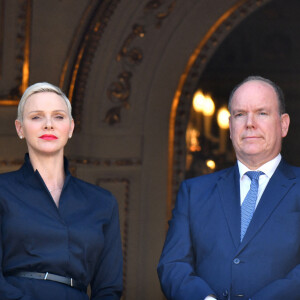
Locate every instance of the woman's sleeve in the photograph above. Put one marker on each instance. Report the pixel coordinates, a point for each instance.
(108, 281)
(8, 291)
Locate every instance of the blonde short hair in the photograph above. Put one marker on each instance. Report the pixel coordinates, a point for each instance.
(41, 87)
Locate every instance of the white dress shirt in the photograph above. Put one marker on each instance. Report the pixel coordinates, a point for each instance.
(268, 169)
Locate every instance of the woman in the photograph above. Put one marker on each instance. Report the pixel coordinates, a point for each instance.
(58, 233)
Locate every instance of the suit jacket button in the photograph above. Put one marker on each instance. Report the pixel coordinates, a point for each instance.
(225, 293)
(236, 261)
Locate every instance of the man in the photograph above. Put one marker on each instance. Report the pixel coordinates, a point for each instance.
(235, 234)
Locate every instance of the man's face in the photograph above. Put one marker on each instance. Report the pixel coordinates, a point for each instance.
(256, 126)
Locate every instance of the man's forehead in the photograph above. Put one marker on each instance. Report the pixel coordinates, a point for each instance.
(255, 85)
(255, 92)
(246, 107)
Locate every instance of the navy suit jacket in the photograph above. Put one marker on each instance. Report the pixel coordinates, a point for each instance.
(203, 254)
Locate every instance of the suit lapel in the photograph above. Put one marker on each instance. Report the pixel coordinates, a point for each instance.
(230, 199)
(279, 185)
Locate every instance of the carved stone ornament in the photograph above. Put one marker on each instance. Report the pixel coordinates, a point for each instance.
(131, 56)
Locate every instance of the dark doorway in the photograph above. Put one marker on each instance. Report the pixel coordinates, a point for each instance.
(266, 43)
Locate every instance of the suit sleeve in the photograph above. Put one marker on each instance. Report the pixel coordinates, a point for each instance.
(107, 283)
(176, 272)
(284, 288)
(8, 291)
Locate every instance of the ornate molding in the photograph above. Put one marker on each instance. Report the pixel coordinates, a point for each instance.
(13, 164)
(131, 56)
(84, 58)
(119, 90)
(75, 42)
(2, 14)
(22, 52)
(183, 96)
(134, 55)
(162, 15)
(106, 162)
(82, 161)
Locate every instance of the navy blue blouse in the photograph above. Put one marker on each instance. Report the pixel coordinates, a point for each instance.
(79, 239)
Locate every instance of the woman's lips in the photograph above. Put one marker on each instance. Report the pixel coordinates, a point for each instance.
(48, 137)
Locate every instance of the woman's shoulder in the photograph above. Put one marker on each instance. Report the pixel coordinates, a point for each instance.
(9, 177)
(93, 191)
(90, 186)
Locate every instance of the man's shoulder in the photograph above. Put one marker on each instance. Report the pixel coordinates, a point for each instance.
(210, 178)
(294, 170)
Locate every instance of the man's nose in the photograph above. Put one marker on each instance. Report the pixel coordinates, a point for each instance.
(250, 120)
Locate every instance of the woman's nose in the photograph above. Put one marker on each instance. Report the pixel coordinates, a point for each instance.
(48, 124)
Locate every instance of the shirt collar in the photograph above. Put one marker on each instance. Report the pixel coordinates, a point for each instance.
(33, 177)
(268, 168)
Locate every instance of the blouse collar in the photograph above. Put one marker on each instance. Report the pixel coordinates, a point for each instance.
(34, 178)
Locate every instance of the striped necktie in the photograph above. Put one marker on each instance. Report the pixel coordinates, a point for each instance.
(248, 206)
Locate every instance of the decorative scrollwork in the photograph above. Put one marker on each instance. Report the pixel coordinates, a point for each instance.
(153, 4)
(135, 55)
(22, 51)
(120, 91)
(161, 16)
(113, 116)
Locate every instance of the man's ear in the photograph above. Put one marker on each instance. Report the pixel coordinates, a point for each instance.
(285, 123)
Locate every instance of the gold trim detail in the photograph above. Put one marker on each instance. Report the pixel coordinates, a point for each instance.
(99, 13)
(74, 43)
(2, 15)
(23, 42)
(106, 162)
(26, 69)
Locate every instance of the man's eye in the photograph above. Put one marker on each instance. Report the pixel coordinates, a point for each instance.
(238, 115)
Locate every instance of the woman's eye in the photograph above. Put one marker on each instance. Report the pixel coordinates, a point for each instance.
(35, 117)
(59, 117)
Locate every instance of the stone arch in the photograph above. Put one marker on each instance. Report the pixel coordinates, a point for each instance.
(76, 68)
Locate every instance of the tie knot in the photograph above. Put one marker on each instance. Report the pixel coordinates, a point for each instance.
(254, 175)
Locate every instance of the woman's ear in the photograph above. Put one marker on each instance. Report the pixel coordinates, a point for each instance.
(72, 128)
(19, 129)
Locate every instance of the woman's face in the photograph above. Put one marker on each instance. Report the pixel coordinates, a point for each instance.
(46, 123)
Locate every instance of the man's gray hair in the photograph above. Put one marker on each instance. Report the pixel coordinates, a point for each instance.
(276, 88)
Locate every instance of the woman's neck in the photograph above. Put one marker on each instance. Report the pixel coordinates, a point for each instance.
(51, 169)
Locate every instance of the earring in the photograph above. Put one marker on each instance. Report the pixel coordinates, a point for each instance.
(21, 137)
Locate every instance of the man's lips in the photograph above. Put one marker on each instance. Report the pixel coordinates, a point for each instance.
(48, 137)
(251, 137)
